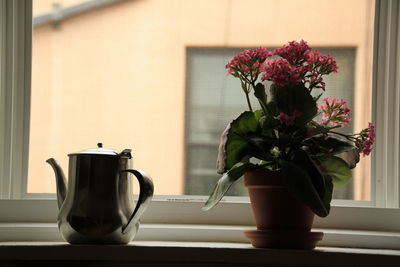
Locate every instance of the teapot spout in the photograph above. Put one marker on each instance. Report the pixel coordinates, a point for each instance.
(60, 181)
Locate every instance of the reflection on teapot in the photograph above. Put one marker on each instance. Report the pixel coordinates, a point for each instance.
(98, 206)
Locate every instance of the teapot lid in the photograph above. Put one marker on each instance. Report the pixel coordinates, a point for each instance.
(100, 150)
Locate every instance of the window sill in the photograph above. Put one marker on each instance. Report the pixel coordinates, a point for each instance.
(154, 253)
(183, 221)
(48, 232)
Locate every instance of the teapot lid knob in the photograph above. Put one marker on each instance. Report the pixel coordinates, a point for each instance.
(99, 145)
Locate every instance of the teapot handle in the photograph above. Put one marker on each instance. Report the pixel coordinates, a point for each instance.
(145, 196)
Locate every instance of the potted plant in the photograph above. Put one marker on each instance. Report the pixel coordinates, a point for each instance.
(290, 150)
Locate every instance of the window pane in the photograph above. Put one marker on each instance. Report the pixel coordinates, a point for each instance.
(149, 75)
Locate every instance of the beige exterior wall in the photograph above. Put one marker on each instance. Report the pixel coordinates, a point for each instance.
(117, 74)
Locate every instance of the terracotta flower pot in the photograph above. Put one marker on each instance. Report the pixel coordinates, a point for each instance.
(282, 221)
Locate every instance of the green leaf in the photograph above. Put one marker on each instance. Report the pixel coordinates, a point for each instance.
(333, 143)
(351, 157)
(260, 146)
(337, 169)
(301, 185)
(224, 183)
(295, 97)
(233, 147)
(272, 109)
(303, 159)
(328, 192)
(318, 129)
(259, 92)
(268, 124)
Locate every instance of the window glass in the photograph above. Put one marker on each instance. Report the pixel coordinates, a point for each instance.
(149, 75)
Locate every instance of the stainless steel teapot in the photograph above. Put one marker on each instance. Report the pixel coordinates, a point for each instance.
(98, 206)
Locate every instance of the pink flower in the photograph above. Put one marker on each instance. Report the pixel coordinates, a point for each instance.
(334, 112)
(324, 64)
(294, 52)
(369, 140)
(297, 64)
(318, 65)
(327, 64)
(312, 57)
(281, 72)
(286, 119)
(247, 62)
(365, 139)
(314, 79)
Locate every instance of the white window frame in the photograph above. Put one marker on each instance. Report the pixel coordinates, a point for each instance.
(386, 102)
(372, 224)
(15, 78)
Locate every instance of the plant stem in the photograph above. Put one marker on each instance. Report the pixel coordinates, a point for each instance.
(248, 101)
(246, 90)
